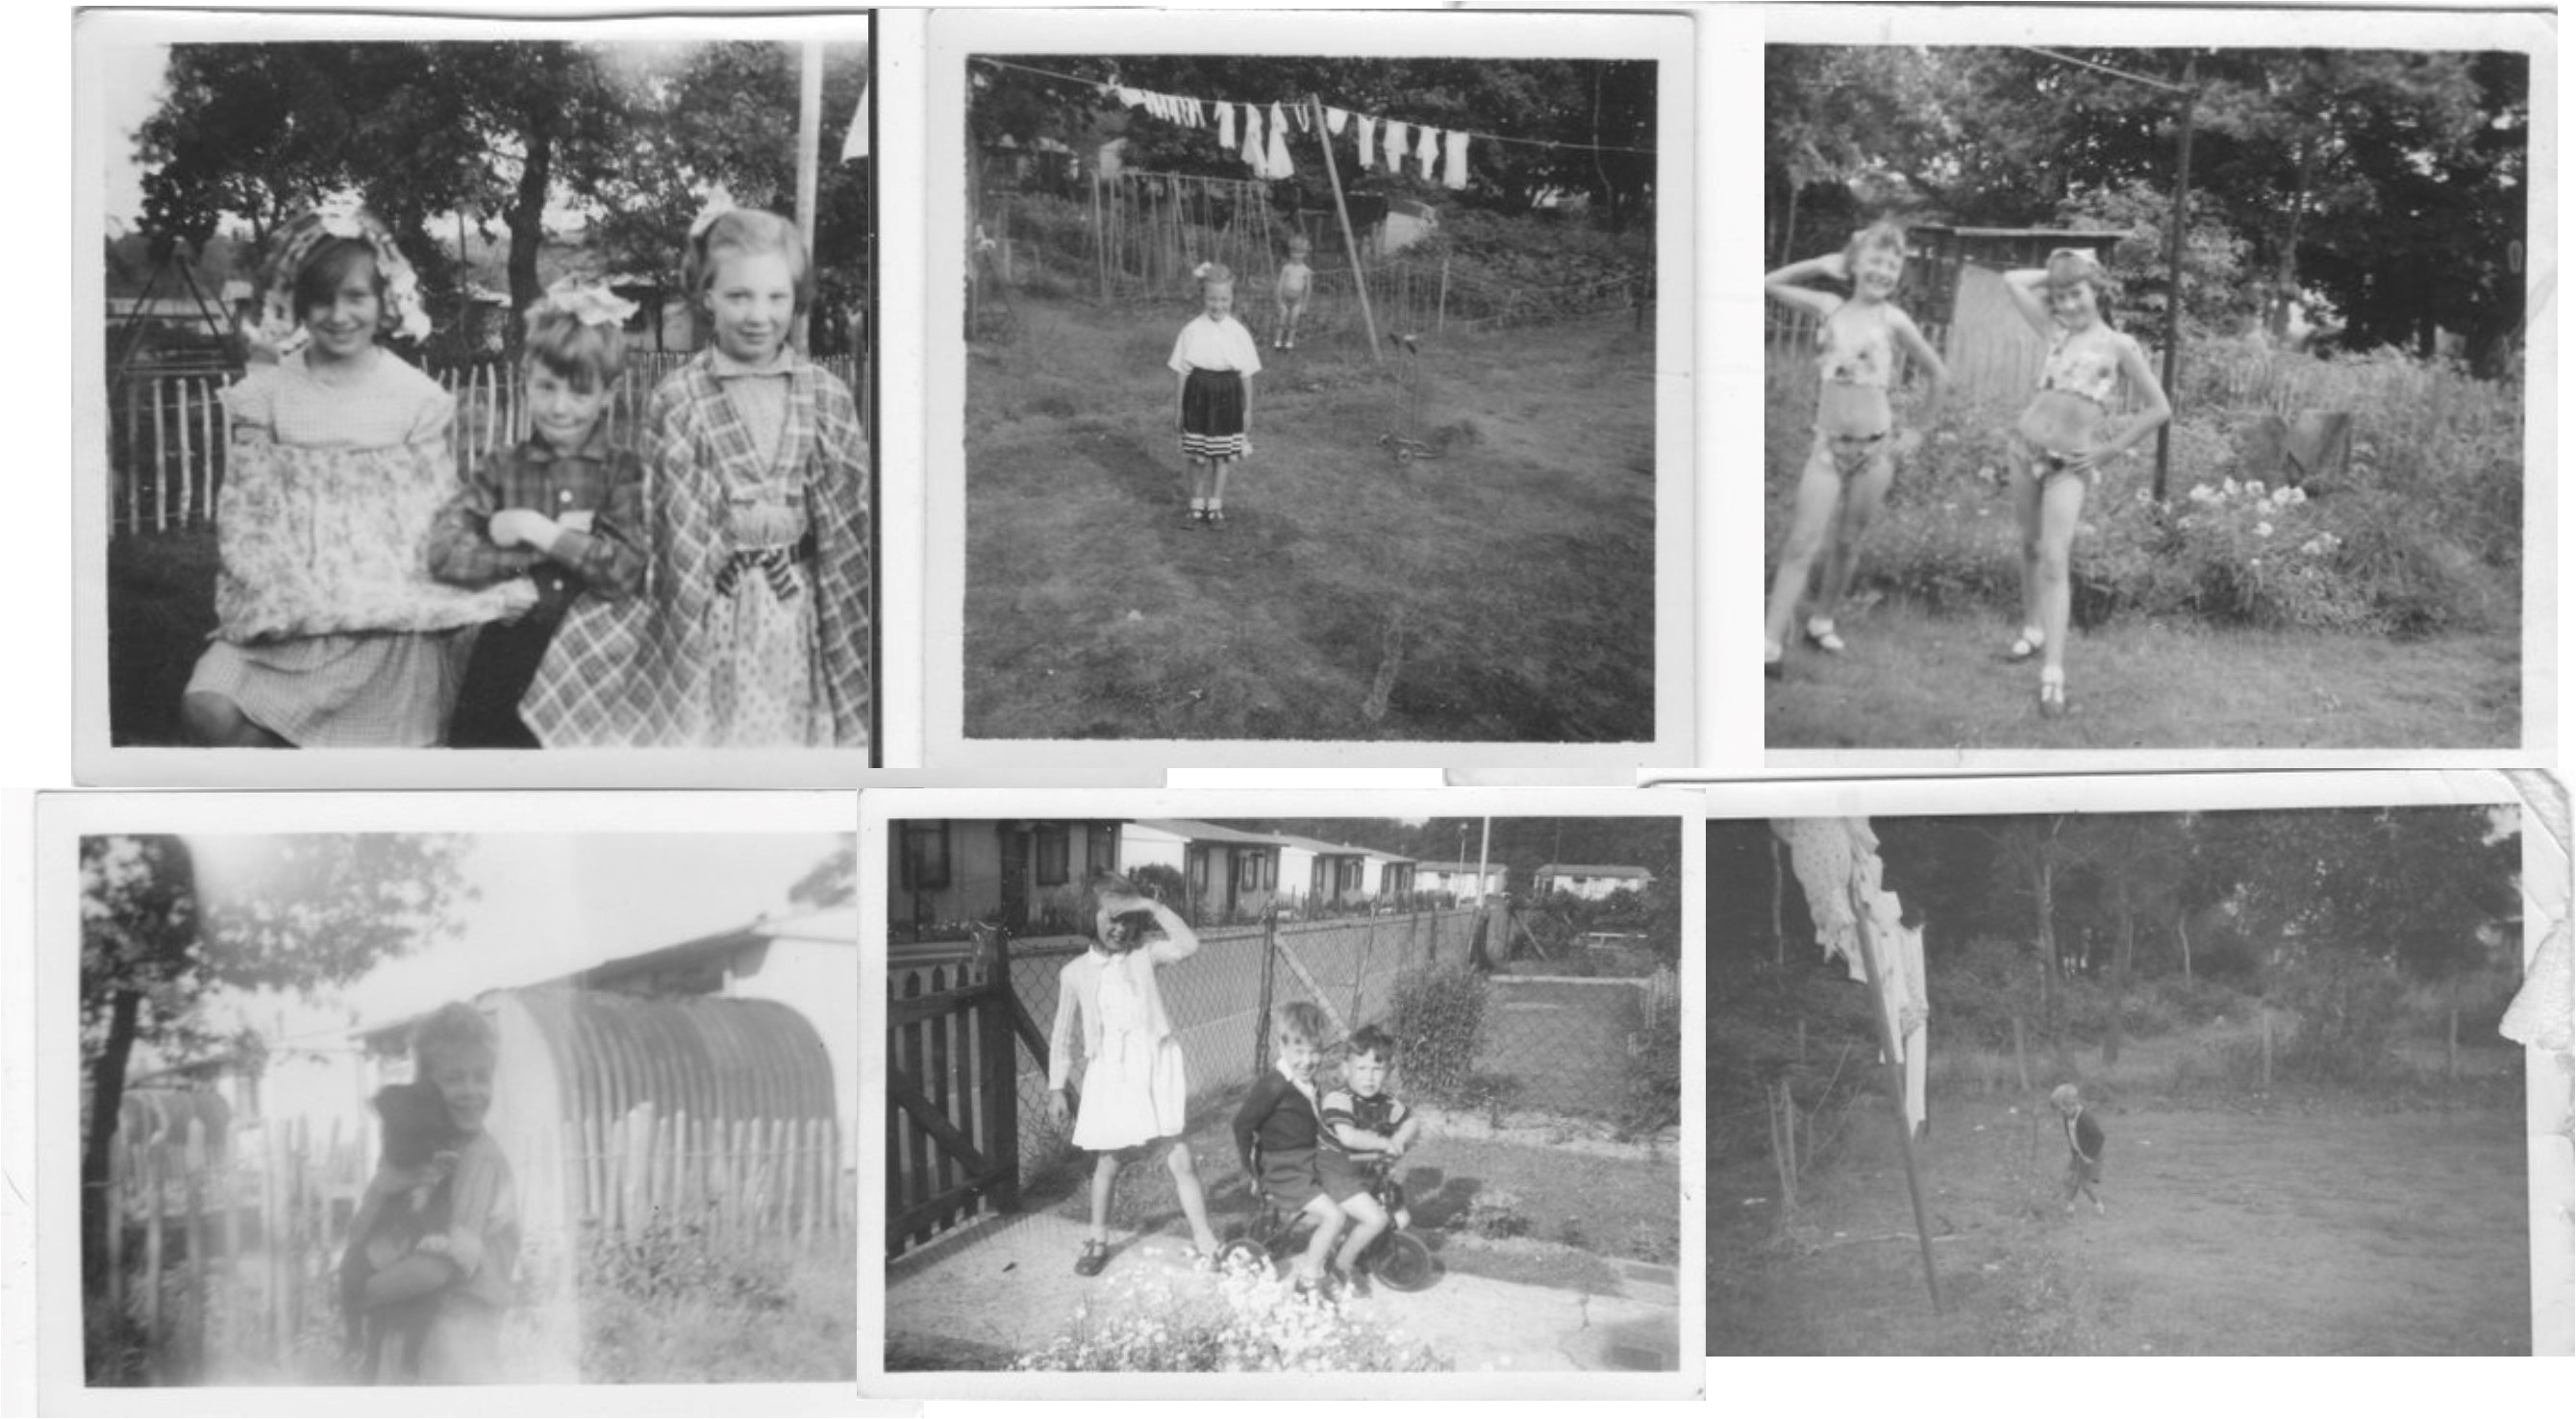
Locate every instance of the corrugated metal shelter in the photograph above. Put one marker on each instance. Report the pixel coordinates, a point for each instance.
(1954, 289)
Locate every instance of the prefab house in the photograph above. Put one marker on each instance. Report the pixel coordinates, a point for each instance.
(1024, 873)
(1230, 873)
(1590, 882)
(1465, 881)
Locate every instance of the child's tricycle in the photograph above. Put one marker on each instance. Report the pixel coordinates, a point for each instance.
(1397, 1260)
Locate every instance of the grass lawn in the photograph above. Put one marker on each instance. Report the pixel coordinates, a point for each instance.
(1489, 1207)
(1913, 680)
(1504, 591)
(2337, 1231)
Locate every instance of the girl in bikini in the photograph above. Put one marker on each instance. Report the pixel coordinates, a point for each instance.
(1857, 443)
(2065, 436)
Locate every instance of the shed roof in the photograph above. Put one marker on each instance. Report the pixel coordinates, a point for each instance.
(1196, 831)
(1561, 869)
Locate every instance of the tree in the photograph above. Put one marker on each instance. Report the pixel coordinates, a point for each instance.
(833, 881)
(318, 910)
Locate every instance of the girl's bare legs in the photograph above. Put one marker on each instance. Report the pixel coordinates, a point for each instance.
(2026, 503)
(1820, 491)
(1198, 484)
(1216, 498)
(1368, 1220)
(1319, 1247)
(1863, 496)
(2061, 505)
(1185, 1181)
(215, 722)
(1104, 1177)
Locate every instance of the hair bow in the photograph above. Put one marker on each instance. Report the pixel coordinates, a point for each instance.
(719, 201)
(588, 303)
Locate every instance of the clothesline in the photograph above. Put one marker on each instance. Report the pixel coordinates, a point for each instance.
(1106, 85)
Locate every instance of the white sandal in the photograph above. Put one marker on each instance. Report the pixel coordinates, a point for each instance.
(1820, 634)
(2029, 643)
(1774, 662)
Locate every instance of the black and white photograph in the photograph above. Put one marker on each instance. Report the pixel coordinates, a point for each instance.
(545, 1096)
(1316, 395)
(2141, 1080)
(2168, 394)
(1394, 1097)
(484, 386)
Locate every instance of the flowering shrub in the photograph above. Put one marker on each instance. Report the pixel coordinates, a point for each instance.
(1243, 1318)
(2262, 557)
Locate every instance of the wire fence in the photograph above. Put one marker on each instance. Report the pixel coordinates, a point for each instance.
(169, 436)
(1595, 1047)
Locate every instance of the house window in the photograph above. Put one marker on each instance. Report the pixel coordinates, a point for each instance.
(1199, 869)
(1348, 875)
(925, 856)
(1055, 845)
(1103, 847)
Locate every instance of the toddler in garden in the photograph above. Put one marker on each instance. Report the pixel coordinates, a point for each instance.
(330, 632)
(1363, 1124)
(2065, 436)
(1214, 360)
(2083, 1145)
(1279, 1134)
(1854, 457)
(404, 1216)
(752, 629)
(561, 508)
(1296, 281)
(1135, 1085)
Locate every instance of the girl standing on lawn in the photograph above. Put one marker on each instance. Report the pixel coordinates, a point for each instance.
(1135, 1087)
(330, 632)
(2063, 439)
(1854, 458)
(1214, 361)
(753, 627)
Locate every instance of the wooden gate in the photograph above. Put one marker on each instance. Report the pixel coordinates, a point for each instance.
(952, 1100)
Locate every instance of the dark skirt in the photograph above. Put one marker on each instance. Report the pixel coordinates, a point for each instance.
(1212, 415)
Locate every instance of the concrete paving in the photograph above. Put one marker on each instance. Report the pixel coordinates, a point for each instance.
(1008, 1283)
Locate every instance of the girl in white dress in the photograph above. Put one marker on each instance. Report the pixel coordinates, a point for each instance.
(1135, 1086)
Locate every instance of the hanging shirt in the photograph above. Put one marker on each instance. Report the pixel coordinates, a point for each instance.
(1427, 152)
(1395, 145)
(1368, 140)
(1334, 118)
(1255, 152)
(1225, 126)
(1280, 167)
(1456, 176)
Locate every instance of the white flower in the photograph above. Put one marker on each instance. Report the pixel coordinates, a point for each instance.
(2296, 495)
(2262, 529)
(2254, 489)
(2230, 487)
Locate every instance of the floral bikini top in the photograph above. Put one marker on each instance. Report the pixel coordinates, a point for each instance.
(2089, 371)
(1864, 356)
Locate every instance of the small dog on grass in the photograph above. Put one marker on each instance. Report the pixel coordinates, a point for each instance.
(2083, 1145)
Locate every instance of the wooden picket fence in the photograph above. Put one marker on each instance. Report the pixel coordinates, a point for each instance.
(230, 1246)
(169, 435)
(736, 1177)
(233, 1240)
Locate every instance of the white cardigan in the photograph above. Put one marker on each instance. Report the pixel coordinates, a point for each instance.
(1078, 990)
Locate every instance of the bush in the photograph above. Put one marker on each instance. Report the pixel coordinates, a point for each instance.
(2347, 1013)
(1439, 1022)
(1244, 1319)
(1650, 1097)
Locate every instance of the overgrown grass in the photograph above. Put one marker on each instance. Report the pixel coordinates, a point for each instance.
(160, 609)
(1502, 591)
(2422, 534)
(675, 1304)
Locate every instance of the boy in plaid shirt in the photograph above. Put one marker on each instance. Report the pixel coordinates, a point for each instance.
(562, 508)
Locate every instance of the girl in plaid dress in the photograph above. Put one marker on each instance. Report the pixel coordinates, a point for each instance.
(1214, 361)
(753, 627)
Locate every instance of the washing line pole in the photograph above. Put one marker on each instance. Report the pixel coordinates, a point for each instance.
(1350, 243)
(809, 147)
(1879, 1013)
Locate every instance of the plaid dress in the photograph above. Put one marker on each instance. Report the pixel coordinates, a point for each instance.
(737, 640)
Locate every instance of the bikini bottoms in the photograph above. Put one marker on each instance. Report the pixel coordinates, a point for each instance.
(1852, 453)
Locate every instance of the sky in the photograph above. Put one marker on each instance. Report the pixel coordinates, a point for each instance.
(129, 90)
(549, 904)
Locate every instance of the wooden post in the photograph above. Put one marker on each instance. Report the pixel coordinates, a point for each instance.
(151, 1157)
(120, 1169)
(200, 1276)
(1001, 1076)
(809, 140)
(1802, 1039)
(160, 470)
(2173, 272)
(2021, 1060)
(1896, 1082)
(2267, 1050)
(2451, 1067)
(1350, 242)
(1789, 1125)
(1441, 321)
(272, 1233)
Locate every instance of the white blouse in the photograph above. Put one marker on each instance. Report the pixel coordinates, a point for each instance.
(1215, 345)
